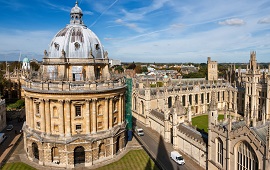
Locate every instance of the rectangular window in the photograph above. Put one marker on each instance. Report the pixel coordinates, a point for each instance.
(56, 128)
(78, 111)
(99, 125)
(78, 127)
(37, 108)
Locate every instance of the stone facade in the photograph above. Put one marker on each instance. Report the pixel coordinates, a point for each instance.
(74, 106)
(169, 110)
(3, 110)
(243, 143)
(237, 142)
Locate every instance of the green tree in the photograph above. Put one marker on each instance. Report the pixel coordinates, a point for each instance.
(34, 66)
(144, 69)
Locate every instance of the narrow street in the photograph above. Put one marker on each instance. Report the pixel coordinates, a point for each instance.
(160, 151)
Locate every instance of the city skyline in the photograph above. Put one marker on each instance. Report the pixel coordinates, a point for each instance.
(143, 31)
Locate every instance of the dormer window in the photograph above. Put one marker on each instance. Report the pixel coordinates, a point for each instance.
(97, 47)
(56, 46)
(77, 45)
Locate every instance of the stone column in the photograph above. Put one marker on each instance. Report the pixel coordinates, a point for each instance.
(186, 100)
(94, 115)
(27, 110)
(87, 119)
(67, 118)
(42, 113)
(48, 116)
(123, 108)
(32, 114)
(110, 113)
(61, 117)
(120, 110)
(106, 115)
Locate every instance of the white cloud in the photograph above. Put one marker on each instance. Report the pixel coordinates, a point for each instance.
(264, 20)
(132, 26)
(232, 22)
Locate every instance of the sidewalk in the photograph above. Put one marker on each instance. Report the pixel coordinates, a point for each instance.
(6, 154)
(19, 155)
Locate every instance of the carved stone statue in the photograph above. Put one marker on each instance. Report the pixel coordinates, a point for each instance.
(45, 53)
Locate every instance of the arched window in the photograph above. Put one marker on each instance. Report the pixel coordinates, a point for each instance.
(134, 103)
(184, 100)
(220, 151)
(79, 155)
(246, 157)
(55, 112)
(35, 150)
(142, 107)
(190, 99)
(169, 102)
(100, 110)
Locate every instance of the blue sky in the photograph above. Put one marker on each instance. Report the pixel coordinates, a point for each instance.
(144, 30)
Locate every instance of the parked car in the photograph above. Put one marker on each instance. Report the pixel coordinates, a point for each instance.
(2, 137)
(9, 127)
(177, 157)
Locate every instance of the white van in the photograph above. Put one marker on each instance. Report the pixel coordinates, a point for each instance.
(177, 157)
(139, 131)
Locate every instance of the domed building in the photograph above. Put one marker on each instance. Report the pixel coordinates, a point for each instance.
(74, 106)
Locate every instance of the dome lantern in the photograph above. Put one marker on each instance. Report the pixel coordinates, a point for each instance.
(76, 15)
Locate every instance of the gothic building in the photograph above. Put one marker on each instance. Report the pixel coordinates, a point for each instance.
(74, 106)
(240, 141)
(243, 144)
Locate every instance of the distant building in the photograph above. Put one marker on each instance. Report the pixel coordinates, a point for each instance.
(114, 62)
(212, 69)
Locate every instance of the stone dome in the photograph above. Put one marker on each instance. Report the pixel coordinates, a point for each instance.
(75, 40)
(26, 60)
(76, 9)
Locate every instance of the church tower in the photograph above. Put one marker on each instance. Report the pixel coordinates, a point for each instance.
(212, 69)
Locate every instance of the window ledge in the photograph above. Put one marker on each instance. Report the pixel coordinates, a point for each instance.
(78, 117)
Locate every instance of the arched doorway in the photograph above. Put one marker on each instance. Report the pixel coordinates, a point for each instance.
(117, 147)
(101, 150)
(79, 155)
(55, 155)
(35, 150)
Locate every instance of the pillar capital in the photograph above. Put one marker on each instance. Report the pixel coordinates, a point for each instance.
(61, 101)
(67, 101)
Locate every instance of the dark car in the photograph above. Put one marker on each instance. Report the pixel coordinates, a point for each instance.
(9, 127)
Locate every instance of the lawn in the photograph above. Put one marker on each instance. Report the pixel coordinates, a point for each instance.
(202, 122)
(134, 159)
(17, 166)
